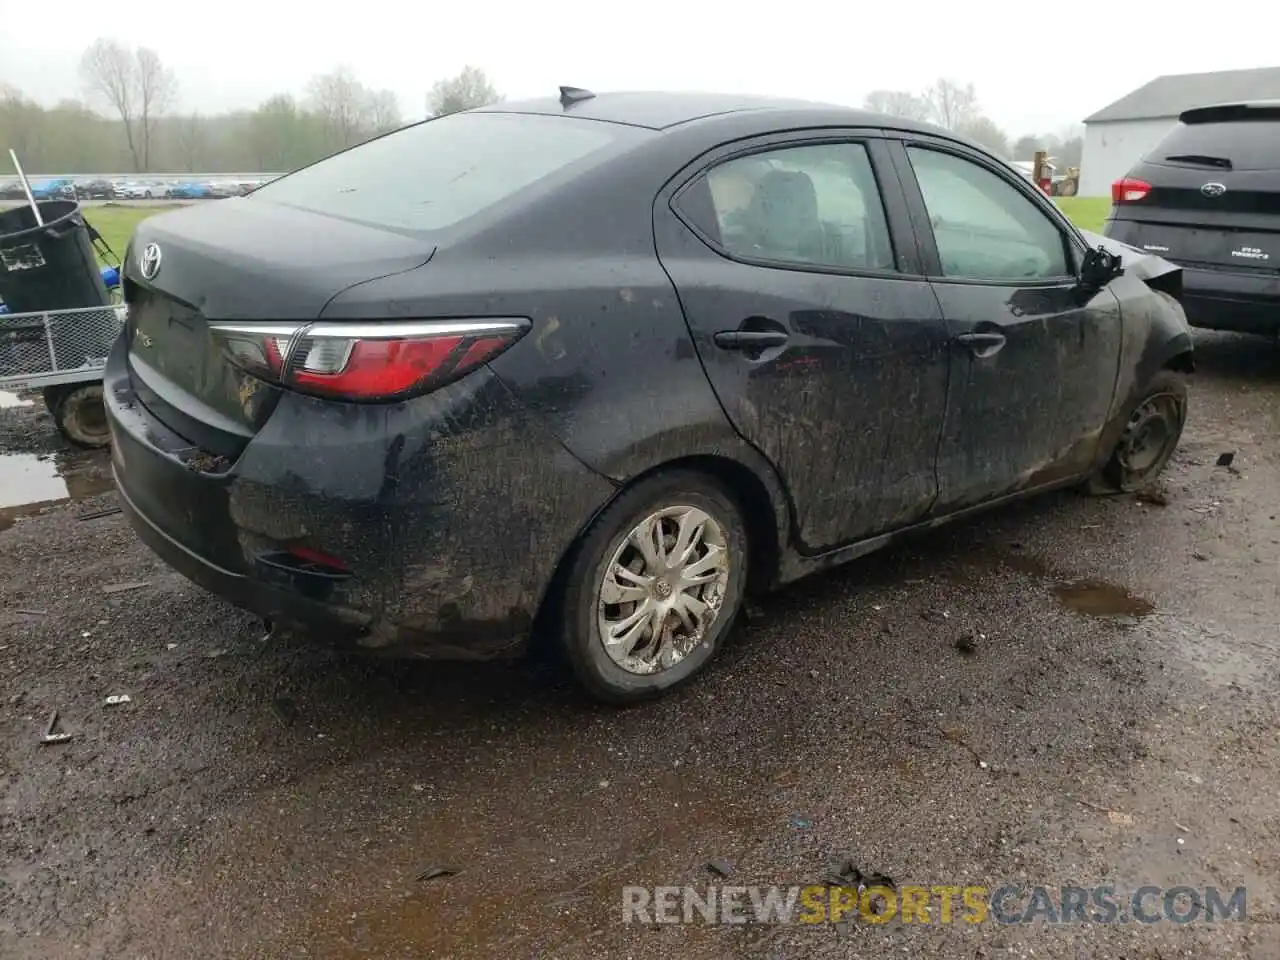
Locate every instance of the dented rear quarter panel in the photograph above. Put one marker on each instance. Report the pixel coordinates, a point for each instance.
(608, 367)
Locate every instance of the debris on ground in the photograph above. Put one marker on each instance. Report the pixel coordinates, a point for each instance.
(49, 732)
(122, 587)
(720, 867)
(846, 873)
(97, 514)
(434, 872)
(1117, 817)
(1152, 495)
(968, 642)
(800, 823)
(215, 654)
(1226, 459)
(956, 736)
(118, 698)
(32, 613)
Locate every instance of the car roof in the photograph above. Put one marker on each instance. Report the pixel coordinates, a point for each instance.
(659, 111)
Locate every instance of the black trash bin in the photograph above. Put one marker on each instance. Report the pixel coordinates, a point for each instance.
(50, 267)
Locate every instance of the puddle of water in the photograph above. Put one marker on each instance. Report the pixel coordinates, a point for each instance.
(29, 483)
(8, 399)
(1097, 598)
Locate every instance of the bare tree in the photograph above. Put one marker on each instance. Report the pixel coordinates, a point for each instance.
(343, 104)
(383, 111)
(157, 89)
(1024, 148)
(108, 71)
(279, 135)
(469, 89)
(899, 103)
(984, 130)
(952, 104)
(20, 122)
(134, 84)
(188, 137)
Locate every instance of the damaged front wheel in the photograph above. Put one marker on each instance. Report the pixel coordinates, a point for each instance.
(654, 587)
(1150, 436)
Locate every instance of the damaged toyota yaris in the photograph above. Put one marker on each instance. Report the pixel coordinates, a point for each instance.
(587, 369)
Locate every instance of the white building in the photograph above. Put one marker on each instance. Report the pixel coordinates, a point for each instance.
(1119, 135)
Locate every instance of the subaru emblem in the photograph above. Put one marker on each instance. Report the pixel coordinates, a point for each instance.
(149, 263)
(1213, 189)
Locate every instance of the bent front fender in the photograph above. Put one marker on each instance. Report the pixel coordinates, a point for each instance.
(1156, 272)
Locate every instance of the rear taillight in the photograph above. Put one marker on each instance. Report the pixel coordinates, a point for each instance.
(366, 361)
(1128, 190)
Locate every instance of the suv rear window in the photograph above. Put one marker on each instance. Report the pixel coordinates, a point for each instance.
(1246, 144)
(435, 174)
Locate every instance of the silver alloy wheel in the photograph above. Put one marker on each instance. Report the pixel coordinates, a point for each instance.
(662, 589)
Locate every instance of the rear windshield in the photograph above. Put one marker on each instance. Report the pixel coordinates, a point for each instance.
(1246, 144)
(432, 175)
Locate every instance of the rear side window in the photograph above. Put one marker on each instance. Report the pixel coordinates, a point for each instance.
(815, 205)
(435, 174)
(1243, 145)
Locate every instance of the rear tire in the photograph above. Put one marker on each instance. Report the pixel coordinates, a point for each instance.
(81, 417)
(685, 582)
(1153, 427)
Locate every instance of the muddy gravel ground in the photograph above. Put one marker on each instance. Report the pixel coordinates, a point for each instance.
(1066, 692)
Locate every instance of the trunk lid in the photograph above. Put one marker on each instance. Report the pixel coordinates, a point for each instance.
(246, 260)
(1214, 198)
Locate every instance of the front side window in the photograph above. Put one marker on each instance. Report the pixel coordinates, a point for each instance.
(814, 205)
(985, 229)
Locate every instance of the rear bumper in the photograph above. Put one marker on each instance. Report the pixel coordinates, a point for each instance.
(277, 605)
(1243, 301)
(1218, 300)
(448, 513)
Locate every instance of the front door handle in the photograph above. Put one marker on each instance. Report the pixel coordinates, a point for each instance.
(982, 344)
(750, 341)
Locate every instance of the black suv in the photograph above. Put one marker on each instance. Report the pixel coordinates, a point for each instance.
(1208, 198)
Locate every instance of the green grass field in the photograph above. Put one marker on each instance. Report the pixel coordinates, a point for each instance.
(116, 224)
(1087, 213)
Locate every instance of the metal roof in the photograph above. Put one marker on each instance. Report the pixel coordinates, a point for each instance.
(1169, 95)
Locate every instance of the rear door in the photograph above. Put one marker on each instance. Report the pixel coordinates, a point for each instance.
(1208, 196)
(1034, 360)
(800, 281)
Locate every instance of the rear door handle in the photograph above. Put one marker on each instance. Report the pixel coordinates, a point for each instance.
(982, 344)
(750, 340)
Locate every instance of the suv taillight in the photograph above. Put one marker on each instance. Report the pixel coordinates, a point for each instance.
(1129, 190)
(366, 361)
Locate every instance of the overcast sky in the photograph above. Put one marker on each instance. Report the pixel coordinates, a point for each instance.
(235, 53)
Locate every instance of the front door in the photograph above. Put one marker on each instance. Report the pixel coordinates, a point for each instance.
(1034, 363)
(825, 346)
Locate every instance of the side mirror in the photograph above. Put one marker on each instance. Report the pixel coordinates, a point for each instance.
(1099, 268)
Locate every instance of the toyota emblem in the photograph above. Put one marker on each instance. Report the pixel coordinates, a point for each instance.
(149, 263)
(1213, 189)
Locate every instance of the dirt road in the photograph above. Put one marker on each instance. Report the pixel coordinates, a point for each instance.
(1111, 718)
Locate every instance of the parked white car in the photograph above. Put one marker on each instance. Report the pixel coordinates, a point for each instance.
(145, 190)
